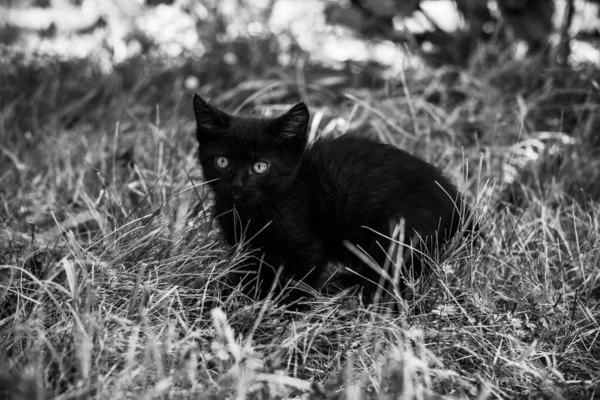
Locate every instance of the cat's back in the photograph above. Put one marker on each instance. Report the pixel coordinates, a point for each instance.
(350, 147)
(354, 161)
(356, 179)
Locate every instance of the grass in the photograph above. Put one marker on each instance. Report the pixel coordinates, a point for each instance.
(112, 275)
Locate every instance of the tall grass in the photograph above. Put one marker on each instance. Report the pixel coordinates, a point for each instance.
(112, 277)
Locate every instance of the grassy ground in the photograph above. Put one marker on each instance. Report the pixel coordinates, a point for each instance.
(112, 276)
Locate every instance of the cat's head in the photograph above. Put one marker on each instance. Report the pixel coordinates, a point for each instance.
(249, 161)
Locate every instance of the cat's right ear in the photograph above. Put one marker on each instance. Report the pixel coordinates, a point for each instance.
(208, 119)
(293, 125)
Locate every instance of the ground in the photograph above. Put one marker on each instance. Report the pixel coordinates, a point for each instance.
(112, 275)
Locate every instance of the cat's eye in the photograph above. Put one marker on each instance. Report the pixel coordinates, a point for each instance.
(222, 162)
(260, 167)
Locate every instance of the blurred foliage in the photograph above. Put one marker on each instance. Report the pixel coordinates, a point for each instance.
(130, 58)
(501, 22)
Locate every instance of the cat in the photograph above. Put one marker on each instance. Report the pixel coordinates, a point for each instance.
(300, 205)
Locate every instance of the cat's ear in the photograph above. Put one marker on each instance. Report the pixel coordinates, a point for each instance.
(293, 125)
(208, 119)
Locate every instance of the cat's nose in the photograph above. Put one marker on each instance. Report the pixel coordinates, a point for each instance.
(236, 185)
(237, 182)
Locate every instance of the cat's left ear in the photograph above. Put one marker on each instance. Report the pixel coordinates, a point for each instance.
(208, 119)
(293, 125)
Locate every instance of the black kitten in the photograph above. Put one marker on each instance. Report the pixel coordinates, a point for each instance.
(300, 205)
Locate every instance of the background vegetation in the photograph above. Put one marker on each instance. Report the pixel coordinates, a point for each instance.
(111, 271)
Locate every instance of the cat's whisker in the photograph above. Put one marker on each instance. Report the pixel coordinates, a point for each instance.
(267, 211)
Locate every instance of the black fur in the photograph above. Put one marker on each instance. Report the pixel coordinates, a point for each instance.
(312, 199)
